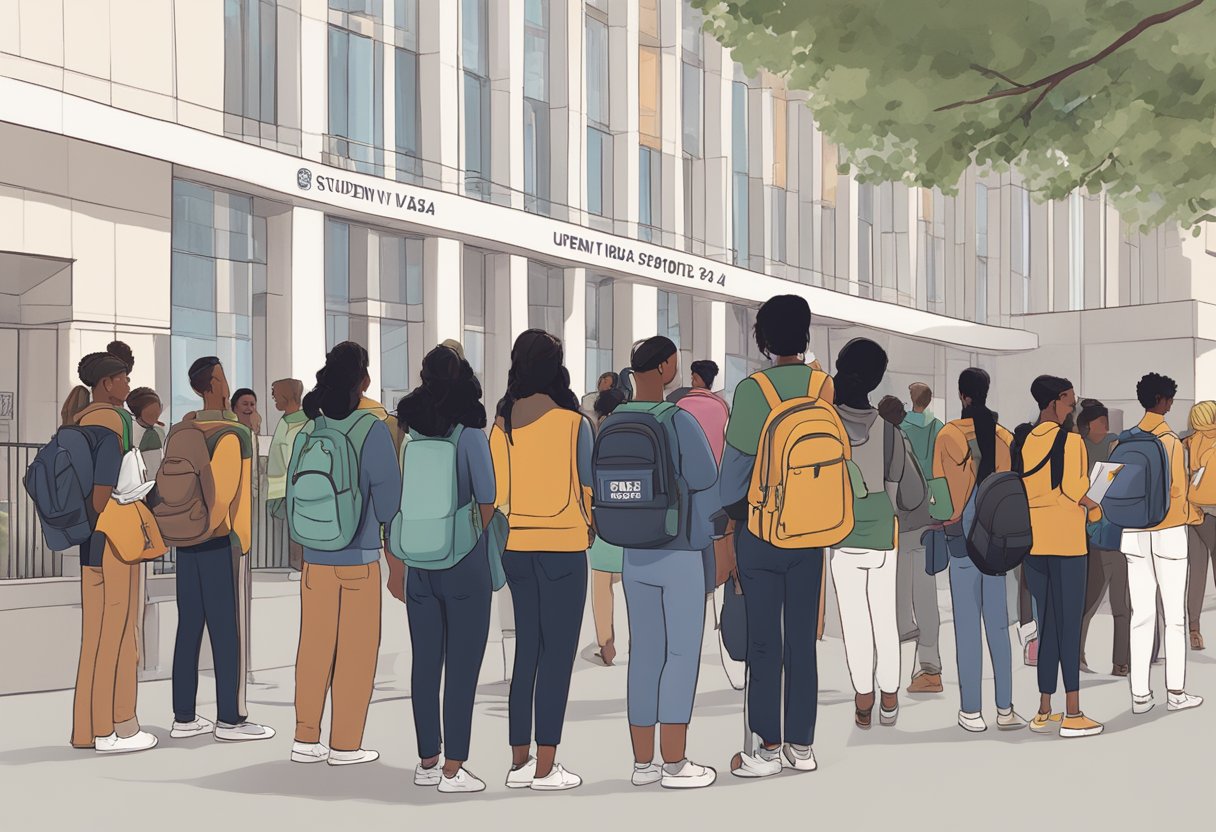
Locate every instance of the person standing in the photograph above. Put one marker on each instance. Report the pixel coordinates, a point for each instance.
(104, 717)
(781, 585)
(916, 589)
(864, 563)
(607, 560)
(216, 449)
(1201, 539)
(145, 406)
(1157, 562)
(343, 451)
(447, 592)
(245, 406)
(541, 445)
(1107, 567)
(607, 381)
(968, 450)
(1055, 472)
(287, 394)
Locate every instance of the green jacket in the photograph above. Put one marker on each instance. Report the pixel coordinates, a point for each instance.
(921, 430)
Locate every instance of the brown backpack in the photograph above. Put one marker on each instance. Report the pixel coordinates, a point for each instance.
(185, 483)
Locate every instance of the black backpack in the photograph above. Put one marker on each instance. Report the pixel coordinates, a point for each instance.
(1001, 537)
(60, 480)
(638, 499)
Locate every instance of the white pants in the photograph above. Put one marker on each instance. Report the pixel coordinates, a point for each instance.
(865, 593)
(1157, 561)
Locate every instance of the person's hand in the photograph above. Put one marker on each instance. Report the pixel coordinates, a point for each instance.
(1088, 503)
(396, 578)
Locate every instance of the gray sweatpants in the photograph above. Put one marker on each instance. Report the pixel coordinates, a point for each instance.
(665, 599)
(916, 603)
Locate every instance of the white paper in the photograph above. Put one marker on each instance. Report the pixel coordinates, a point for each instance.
(1195, 480)
(1100, 478)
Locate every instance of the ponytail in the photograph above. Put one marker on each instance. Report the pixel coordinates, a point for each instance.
(77, 400)
(974, 383)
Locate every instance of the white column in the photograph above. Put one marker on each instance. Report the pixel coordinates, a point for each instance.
(442, 290)
(574, 334)
(440, 93)
(307, 292)
(507, 313)
(709, 334)
(635, 315)
(506, 32)
(568, 109)
(314, 66)
(623, 97)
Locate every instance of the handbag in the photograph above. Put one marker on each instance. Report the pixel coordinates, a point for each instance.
(937, 557)
(131, 532)
(732, 624)
(496, 543)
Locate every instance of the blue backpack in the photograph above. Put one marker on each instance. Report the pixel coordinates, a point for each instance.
(432, 530)
(60, 483)
(1139, 497)
(638, 498)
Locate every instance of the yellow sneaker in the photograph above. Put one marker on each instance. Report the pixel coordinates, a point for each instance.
(1046, 723)
(1080, 726)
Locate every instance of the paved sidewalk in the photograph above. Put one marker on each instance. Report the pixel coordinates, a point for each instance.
(923, 774)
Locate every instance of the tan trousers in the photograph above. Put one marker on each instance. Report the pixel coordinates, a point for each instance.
(108, 672)
(339, 645)
(602, 603)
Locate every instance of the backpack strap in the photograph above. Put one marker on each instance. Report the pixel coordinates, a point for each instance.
(1057, 446)
(768, 390)
(360, 429)
(814, 387)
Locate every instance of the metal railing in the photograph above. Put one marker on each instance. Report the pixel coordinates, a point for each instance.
(24, 553)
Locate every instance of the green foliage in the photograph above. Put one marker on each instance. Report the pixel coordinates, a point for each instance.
(1140, 122)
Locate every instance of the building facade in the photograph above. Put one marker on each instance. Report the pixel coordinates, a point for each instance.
(260, 179)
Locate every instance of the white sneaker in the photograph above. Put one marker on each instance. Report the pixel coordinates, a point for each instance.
(647, 775)
(888, 718)
(200, 725)
(114, 744)
(464, 782)
(309, 752)
(687, 775)
(245, 732)
(756, 765)
(521, 778)
(558, 780)
(972, 722)
(800, 757)
(1183, 701)
(428, 776)
(1142, 704)
(352, 758)
(1008, 720)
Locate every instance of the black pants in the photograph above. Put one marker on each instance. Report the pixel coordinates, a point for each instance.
(781, 587)
(548, 592)
(1109, 569)
(449, 614)
(1058, 585)
(206, 595)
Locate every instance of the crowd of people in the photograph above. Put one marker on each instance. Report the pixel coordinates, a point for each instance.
(679, 497)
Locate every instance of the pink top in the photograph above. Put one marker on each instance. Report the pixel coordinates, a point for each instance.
(711, 414)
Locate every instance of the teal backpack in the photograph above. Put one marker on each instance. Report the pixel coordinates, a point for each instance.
(431, 530)
(324, 502)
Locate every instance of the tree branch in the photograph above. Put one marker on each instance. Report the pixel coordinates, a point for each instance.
(992, 73)
(1050, 82)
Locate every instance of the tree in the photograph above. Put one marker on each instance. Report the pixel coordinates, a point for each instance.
(1098, 94)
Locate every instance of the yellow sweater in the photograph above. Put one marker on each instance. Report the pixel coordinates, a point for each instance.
(1056, 515)
(1199, 446)
(949, 453)
(1180, 509)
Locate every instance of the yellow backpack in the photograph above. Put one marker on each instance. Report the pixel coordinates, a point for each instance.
(801, 494)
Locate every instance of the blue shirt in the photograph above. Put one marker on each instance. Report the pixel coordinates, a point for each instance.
(699, 470)
(380, 484)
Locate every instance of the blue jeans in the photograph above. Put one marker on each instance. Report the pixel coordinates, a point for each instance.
(665, 598)
(781, 592)
(206, 595)
(548, 593)
(1058, 585)
(979, 598)
(449, 615)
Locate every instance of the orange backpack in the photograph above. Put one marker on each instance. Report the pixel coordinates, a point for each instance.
(801, 494)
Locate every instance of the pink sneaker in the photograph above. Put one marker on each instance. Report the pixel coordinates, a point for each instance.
(1031, 654)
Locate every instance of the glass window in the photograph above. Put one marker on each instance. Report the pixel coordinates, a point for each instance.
(830, 175)
(778, 225)
(405, 112)
(649, 95)
(743, 357)
(981, 253)
(536, 50)
(218, 257)
(250, 45)
(546, 298)
(597, 71)
(401, 271)
(739, 156)
(476, 317)
(1019, 244)
(691, 110)
(405, 18)
(689, 231)
(1076, 251)
(337, 283)
(648, 19)
(599, 172)
(536, 156)
(650, 190)
(395, 366)
(675, 321)
(475, 63)
(356, 110)
(932, 247)
(690, 22)
(780, 141)
(865, 238)
(364, 8)
(599, 328)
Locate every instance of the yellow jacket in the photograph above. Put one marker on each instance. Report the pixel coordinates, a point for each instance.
(950, 451)
(383, 415)
(1056, 516)
(1199, 447)
(104, 415)
(1180, 508)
